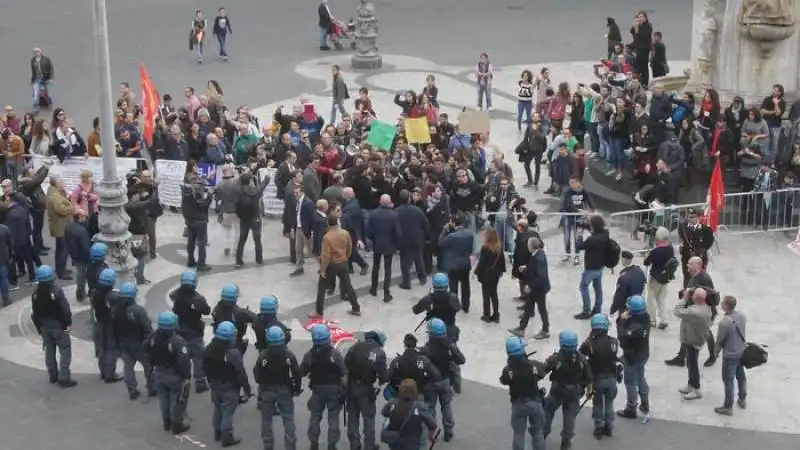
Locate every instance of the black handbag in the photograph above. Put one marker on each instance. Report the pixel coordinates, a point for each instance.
(754, 354)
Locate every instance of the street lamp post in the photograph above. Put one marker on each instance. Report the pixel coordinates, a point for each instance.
(113, 221)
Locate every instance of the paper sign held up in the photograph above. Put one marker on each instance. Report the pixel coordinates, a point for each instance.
(417, 130)
(474, 122)
(381, 135)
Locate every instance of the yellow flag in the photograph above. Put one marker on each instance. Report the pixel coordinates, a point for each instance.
(417, 130)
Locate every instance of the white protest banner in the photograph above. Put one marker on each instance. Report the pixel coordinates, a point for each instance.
(272, 206)
(70, 170)
(169, 175)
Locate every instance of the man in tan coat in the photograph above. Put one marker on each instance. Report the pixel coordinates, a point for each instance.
(333, 262)
(60, 212)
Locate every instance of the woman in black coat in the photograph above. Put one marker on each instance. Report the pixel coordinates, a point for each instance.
(491, 266)
(613, 35)
(642, 33)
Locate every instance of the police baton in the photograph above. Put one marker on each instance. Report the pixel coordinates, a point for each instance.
(585, 401)
(435, 438)
(424, 319)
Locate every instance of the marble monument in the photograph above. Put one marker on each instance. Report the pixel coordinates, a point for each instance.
(366, 49)
(743, 47)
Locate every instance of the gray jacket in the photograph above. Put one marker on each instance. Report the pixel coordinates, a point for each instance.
(227, 193)
(695, 323)
(729, 341)
(340, 93)
(312, 187)
(672, 153)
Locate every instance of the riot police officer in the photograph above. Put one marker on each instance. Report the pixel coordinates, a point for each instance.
(190, 307)
(226, 310)
(52, 317)
(522, 376)
(278, 376)
(443, 354)
(414, 365)
(222, 363)
(97, 264)
(102, 328)
(570, 378)
(131, 327)
(327, 374)
(366, 364)
(443, 304)
(633, 328)
(267, 318)
(167, 352)
(601, 351)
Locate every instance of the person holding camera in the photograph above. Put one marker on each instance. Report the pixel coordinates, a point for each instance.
(248, 209)
(137, 208)
(456, 245)
(595, 249)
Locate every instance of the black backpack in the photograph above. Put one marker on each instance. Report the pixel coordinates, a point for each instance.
(613, 252)
(667, 274)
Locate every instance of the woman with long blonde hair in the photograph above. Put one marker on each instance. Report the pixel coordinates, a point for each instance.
(491, 266)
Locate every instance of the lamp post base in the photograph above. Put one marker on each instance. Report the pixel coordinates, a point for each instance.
(366, 62)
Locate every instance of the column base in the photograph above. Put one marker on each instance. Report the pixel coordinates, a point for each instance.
(364, 62)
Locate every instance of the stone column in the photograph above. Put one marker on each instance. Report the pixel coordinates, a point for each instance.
(366, 50)
(113, 221)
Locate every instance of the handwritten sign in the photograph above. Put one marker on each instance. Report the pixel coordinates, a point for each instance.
(169, 175)
(70, 170)
(272, 206)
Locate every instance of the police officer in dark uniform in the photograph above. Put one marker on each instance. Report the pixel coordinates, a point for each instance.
(52, 317)
(226, 310)
(366, 364)
(97, 263)
(325, 368)
(279, 380)
(633, 329)
(444, 355)
(267, 318)
(570, 378)
(522, 376)
(443, 304)
(414, 365)
(601, 351)
(223, 366)
(102, 326)
(131, 327)
(167, 352)
(190, 307)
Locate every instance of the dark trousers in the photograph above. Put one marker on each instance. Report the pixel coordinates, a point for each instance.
(355, 255)
(460, 277)
(642, 67)
(387, 271)
(342, 272)
(692, 365)
(431, 249)
(709, 345)
(533, 178)
(197, 236)
(407, 257)
(533, 302)
(38, 224)
(293, 251)
(491, 302)
(245, 227)
(24, 258)
(151, 235)
(61, 256)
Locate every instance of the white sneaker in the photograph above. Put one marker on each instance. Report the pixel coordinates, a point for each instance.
(491, 109)
(694, 395)
(686, 389)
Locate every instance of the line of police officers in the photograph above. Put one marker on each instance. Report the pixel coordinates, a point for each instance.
(173, 353)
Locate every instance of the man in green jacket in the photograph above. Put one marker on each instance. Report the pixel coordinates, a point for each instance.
(243, 143)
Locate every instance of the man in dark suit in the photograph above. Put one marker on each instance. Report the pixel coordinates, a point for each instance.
(415, 228)
(289, 217)
(385, 233)
(696, 240)
(304, 214)
(456, 247)
(353, 222)
(397, 183)
(311, 183)
(536, 279)
(319, 225)
(521, 254)
(325, 22)
(284, 173)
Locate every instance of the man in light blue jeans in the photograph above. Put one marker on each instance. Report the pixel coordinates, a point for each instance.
(595, 248)
(731, 343)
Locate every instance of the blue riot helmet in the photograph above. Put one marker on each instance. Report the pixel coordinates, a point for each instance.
(230, 293)
(189, 278)
(437, 328)
(45, 274)
(226, 331)
(98, 251)
(107, 278)
(637, 304)
(600, 322)
(320, 334)
(389, 392)
(568, 340)
(378, 336)
(167, 320)
(276, 336)
(269, 304)
(515, 346)
(128, 290)
(440, 282)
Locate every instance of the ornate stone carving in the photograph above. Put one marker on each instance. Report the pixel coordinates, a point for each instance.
(366, 49)
(708, 46)
(113, 224)
(767, 22)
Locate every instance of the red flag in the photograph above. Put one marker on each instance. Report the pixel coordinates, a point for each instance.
(715, 198)
(150, 104)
